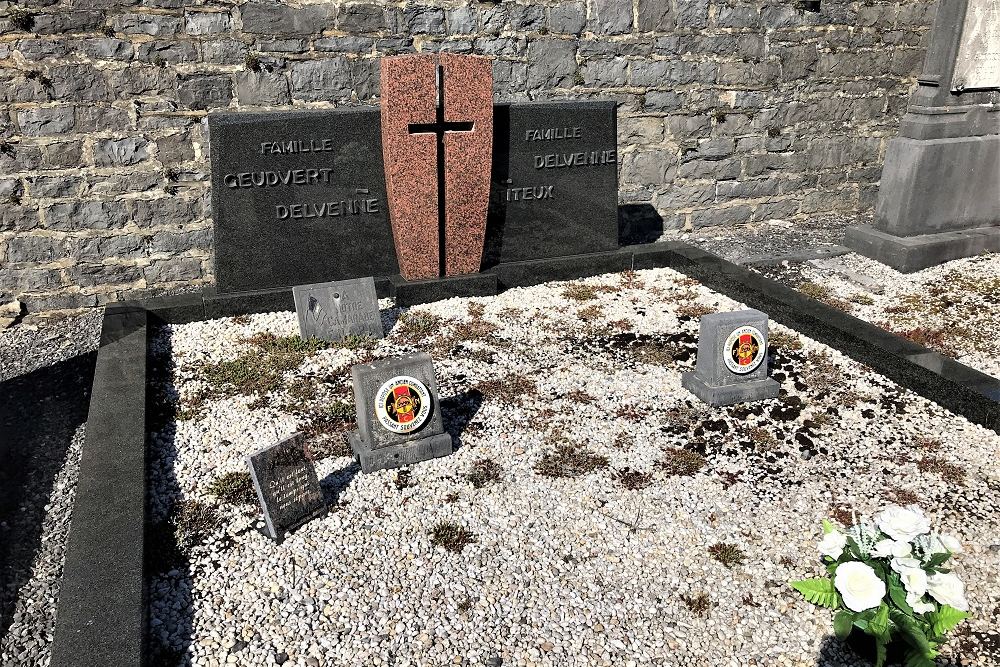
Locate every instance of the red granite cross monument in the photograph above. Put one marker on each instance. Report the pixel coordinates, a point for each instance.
(437, 139)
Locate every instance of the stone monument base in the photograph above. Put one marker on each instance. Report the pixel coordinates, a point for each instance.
(396, 456)
(730, 394)
(913, 253)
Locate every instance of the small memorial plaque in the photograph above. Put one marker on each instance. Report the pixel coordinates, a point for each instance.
(732, 359)
(977, 65)
(399, 414)
(333, 311)
(287, 487)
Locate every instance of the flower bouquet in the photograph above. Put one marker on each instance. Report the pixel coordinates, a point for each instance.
(887, 578)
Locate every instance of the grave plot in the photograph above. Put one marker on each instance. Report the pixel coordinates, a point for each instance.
(953, 308)
(593, 511)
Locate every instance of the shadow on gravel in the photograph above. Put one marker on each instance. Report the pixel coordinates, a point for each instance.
(458, 411)
(857, 651)
(39, 414)
(168, 568)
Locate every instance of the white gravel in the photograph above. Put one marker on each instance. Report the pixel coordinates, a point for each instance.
(574, 571)
(953, 308)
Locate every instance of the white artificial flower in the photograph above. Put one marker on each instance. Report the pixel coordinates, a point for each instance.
(946, 589)
(892, 549)
(903, 523)
(833, 544)
(900, 564)
(860, 587)
(914, 580)
(917, 603)
(951, 544)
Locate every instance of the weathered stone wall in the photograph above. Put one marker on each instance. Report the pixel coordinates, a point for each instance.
(729, 111)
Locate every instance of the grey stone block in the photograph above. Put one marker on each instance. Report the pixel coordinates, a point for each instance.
(267, 18)
(759, 390)
(43, 121)
(461, 20)
(399, 413)
(655, 16)
(610, 17)
(732, 359)
(207, 23)
(321, 80)
(105, 48)
(396, 456)
(262, 89)
(551, 63)
(205, 92)
(154, 25)
(913, 253)
(120, 152)
(424, 20)
(78, 83)
(526, 18)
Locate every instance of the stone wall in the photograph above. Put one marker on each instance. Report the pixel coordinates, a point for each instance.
(729, 111)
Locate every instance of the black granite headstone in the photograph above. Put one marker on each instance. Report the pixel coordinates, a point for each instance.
(298, 197)
(287, 487)
(555, 187)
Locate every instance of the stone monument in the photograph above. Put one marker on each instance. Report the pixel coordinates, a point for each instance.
(939, 198)
(437, 137)
(732, 359)
(333, 311)
(399, 413)
(287, 487)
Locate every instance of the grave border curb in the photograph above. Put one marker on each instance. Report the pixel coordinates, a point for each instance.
(105, 549)
(961, 389)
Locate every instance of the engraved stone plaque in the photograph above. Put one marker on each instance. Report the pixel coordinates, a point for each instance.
(287, 487)
(333, 311)
(977, 66)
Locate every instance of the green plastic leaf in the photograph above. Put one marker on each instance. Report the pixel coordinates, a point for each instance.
(879, 652)
(936, 561)
(842, 623)
(922, 653)
(898, 595)
(879, 625)
(818, 591)
(828, 527)
(945, 619)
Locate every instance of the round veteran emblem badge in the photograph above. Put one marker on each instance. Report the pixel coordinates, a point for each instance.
(744, 350)
(402, 404)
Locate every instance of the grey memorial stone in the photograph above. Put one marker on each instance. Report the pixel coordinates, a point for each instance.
(298, 197)
(287, 487)
(938, 197)
(399, 413)
(335, 310)
(732, 359)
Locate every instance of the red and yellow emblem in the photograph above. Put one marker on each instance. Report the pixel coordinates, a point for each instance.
(744, 350)
(402, 404)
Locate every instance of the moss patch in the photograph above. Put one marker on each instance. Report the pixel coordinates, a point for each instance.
(484, 472)
(451, 536)
(729, 555)
(235, 488)
(681, 462)
(569, 460)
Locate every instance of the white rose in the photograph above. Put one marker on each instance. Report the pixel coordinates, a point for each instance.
(947, 589)
(900, 564)
(917, 603)
(833, 544)
(892, 549)
(903, 523)
(859, 586)
(950, 543)
(914, 580)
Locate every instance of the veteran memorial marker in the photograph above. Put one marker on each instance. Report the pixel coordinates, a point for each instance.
(399, 413)
(287, 487)
(732, 359)
(335, 310)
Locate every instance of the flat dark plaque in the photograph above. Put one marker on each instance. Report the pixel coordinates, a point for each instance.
(335, 310)
(287, 487)
(298, 198)
(555, 181)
